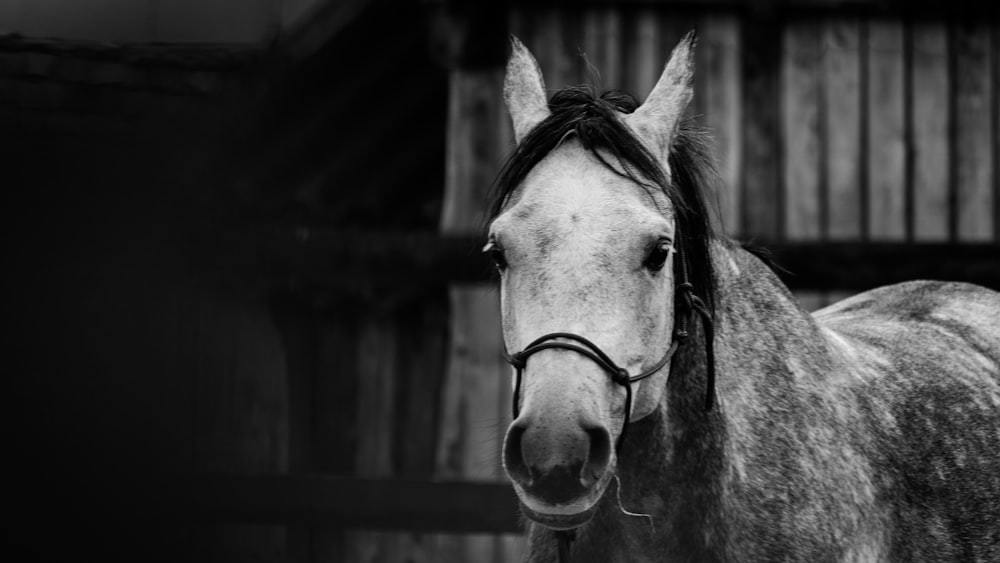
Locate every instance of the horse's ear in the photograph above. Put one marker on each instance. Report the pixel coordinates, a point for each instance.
(655, 121)
(524, 90)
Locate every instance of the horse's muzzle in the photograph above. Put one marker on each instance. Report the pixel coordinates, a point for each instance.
(558, 470)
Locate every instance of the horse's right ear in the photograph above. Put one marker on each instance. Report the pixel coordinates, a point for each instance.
(524, 90)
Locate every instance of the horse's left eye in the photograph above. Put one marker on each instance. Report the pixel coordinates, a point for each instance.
(657, 256)
(496, 255)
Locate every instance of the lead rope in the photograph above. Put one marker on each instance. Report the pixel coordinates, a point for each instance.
(694, 303)
(565, 538)
(691, 302)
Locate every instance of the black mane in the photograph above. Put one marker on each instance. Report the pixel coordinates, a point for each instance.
(596, 123)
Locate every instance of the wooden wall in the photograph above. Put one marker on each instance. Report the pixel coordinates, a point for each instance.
(840, 127)
(827, 126)
(163, 21)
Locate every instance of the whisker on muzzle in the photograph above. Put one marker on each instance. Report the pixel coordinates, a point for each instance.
(618, 496)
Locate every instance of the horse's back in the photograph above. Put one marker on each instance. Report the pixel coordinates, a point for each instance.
(963, 308)
(924, 359)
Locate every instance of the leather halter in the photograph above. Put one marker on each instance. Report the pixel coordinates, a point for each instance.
(556, 340)
(589, 349)
(691, 304)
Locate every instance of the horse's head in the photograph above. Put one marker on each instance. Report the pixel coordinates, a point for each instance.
(584, 239)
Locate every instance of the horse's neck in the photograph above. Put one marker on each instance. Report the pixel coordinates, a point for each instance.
(769, 350)
(676, 462)
(761, 334)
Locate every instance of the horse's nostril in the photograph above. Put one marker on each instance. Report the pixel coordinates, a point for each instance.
(513, 456)
(598, 456)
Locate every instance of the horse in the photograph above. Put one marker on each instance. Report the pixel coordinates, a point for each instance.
(866, 431)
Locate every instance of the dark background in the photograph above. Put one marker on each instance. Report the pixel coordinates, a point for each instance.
(138, 182)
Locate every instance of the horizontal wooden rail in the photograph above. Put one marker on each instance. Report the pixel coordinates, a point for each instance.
(368, 263)
(350, 502)
(879, 6)
(859, 266)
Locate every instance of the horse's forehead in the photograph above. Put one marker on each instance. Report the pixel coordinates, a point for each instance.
(572, 187)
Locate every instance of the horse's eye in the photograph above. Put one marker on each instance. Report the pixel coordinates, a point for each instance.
(496, 255)
(657, 256)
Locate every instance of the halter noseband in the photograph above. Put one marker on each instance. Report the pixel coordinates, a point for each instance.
(590, 350)
(620, 375)
(692, 304)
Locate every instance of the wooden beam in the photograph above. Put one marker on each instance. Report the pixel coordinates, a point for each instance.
(359, 503)
(877, 6)
(860, 266)
(313, 29)
(369, 264)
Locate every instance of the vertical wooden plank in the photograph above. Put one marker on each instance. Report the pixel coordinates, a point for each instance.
(421, 368)
(996, 132)
(720, 63)
(551, 35)
(761, 188)
(886, 131)
(376, 396)
(399, 367)
(376, 360)
(336, 394)
(240, 412)
(475, 113)
(842, 127)
(602, 30)
(671, 26)
(508, 548)
(294, 323)
(800, 67)
(840, 122)
(930, 126)
(476, 392)
(973, 154)
(643, 56)
(473, 424)
(322, 399)
(333, 415)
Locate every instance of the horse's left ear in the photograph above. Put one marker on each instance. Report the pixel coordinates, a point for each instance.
(655, 121)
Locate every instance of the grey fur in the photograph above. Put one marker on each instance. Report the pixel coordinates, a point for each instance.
(868, 431)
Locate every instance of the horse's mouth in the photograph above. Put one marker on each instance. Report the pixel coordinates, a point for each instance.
(559, 521)
(563, 515)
